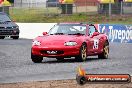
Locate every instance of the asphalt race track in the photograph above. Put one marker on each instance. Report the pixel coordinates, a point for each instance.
(16, 65)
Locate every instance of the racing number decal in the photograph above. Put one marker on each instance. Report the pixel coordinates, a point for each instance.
(96, 42)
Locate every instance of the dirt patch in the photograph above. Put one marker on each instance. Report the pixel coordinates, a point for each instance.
(63, 84)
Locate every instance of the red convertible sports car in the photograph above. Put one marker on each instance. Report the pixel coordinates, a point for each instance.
(64, 40)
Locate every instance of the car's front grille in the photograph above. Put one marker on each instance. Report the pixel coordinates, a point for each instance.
(52, 52)
(2, 27)
(9, 27)
(6, 32)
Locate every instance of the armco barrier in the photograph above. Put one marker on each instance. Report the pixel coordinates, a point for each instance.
(115, 32)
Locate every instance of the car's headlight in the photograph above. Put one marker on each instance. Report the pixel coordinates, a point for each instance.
(70, 43)
(16, 27)
(36, 43)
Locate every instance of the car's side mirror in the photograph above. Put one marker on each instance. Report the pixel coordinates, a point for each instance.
(95, 34)
(45, 33)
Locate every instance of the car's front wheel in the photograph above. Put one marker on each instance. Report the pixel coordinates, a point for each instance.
(83, 54)
(105, 53)
(2, 37)
(36, 59)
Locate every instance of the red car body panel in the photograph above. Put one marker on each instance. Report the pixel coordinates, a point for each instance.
(56, 43)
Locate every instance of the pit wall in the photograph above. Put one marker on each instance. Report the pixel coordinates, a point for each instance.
(115, 32)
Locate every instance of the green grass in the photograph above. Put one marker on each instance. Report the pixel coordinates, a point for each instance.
(47, 15)
(31, 14)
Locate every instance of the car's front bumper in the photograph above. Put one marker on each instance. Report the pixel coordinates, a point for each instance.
(67, 51)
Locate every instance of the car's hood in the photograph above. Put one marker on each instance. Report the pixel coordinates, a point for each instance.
(58, 39)
(7, 24)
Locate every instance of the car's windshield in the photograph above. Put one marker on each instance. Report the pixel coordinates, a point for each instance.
(4, 18)
(70, 29)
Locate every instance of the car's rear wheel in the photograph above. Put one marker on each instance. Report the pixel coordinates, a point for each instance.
(105, 53)
(36, 59)
(83, 54)
(15, 37)
(2, 37)
(60, 58)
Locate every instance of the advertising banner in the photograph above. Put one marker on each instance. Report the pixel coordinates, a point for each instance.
(117, 33)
